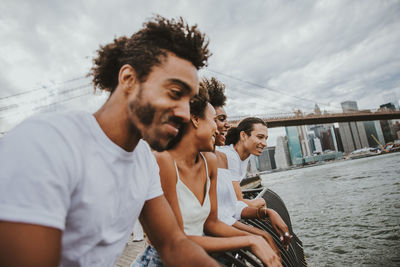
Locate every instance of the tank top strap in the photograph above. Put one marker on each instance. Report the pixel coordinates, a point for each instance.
(176, 169)
(205, 162)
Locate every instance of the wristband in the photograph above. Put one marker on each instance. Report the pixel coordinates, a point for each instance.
(258, 213)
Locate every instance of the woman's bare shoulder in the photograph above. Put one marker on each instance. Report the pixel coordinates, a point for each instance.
(222, 160)
(165, 161)
(210, 156)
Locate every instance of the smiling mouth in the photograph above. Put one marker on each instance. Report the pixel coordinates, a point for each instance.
(172, 128)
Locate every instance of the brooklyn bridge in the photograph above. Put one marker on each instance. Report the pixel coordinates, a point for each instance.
(298, 118)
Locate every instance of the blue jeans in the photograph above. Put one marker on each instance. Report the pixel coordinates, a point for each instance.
(148, 258)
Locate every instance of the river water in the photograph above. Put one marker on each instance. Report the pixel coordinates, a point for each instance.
(346, 213)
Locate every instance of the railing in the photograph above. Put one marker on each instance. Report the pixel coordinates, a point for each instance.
(293, 257)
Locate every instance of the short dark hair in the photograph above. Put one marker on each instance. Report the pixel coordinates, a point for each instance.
(146, 49)
(246, 125)
(216, 91)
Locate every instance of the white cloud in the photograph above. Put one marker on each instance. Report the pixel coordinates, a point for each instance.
(322, 51)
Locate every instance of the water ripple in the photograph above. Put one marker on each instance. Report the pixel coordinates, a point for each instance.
(345, 213)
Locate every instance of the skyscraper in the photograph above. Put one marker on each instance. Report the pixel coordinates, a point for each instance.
(352, 133)
(370, 130)
(387, 125)
(267, 159)
(294, 144)
(349, 106)
(282, 155)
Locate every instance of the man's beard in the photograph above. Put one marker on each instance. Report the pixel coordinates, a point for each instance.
(146, 114)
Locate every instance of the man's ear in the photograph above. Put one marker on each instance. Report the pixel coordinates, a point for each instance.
(127, 79)
(243, 135)
(195, 121)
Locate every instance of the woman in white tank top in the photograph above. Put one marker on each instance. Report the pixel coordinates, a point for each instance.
(189, 180)
(231, 169)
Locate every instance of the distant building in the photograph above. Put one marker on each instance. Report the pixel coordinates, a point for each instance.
(370, 129)
(379, 132)
(346, 137)
(327, 141)
(334, 138)
(318, 129)
(305, 143)
(397, 129)
(317, 110)
(388, 106)
(282, 155)
(349, 106)
(326, 134)
(391, 97)
(253, 167)
(387, 125)
(267, 159)
(311, 137)
(318, 146)
(338, 139)
(294, 144)
(353, 135)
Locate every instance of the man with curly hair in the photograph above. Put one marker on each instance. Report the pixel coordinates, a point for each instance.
(73, 184)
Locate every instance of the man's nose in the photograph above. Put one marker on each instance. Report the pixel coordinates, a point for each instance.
(183, 111)
(264, 142)
(227, 125)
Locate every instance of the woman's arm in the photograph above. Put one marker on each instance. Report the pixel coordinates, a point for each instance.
(256, 231)
(276, 221)
(213, 226)
(230, 237)
(171, 243)
(256, 203)
(168, 180)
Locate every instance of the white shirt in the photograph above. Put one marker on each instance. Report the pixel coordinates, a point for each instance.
(237, 166)
(62, 171)
(229, 208)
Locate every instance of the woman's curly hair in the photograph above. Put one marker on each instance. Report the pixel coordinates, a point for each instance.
(147, 48)
(216, 91)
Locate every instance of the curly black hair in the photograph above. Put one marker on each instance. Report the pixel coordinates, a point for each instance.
(199, 103)
(147, 48)
(216, 91)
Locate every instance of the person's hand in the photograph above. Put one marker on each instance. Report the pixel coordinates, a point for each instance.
(271, 242)
(280, 227)
(258, 203)
(264, 252)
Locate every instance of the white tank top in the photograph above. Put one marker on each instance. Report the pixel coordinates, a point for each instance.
(193, 213)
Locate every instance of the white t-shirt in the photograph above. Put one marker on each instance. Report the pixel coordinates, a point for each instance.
(237, 166)
(229, 208)
(62, 171)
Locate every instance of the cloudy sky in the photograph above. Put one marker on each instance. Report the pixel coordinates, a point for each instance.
(274, 56)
